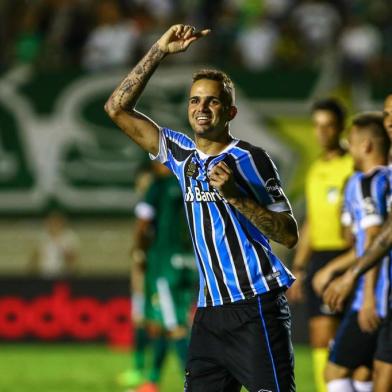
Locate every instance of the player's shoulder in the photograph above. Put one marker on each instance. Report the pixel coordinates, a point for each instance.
(246, 149)
(178, 138)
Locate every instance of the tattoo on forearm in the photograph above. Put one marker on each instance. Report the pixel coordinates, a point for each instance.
(127, 93)
(277, 227)
(378, 248)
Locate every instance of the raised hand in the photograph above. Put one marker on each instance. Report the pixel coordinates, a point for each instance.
(179, 37)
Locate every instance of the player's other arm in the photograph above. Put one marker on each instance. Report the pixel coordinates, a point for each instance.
(280, 227)
(300, 262)
(338, 291)
(121, 105)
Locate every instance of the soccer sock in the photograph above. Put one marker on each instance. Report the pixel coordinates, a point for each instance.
(340, 385)
(320, 358)
(141, 341)
(159, 349)
(182, 350)
(363, 386)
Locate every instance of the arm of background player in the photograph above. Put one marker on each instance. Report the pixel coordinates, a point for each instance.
(338, 290)
(301, 259)
(121, 104)
(368, 319)
(334, 267)
(379, 247)
(139, 248)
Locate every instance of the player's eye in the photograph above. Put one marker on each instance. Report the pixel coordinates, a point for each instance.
(193, 101)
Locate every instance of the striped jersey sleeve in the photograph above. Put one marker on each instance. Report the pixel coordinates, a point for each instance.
(260, 177)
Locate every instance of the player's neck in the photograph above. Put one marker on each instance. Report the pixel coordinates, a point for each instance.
(373, 163)
(211, 146)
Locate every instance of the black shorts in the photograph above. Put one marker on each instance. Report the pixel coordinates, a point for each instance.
(247, 343)
(384, 342)
(351, 347)
(318, 260)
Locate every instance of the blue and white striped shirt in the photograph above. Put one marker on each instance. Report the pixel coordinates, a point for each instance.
(234, 258)
(366, 205)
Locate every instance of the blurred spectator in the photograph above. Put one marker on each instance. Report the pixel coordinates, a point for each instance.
(56, 253)
(28, 43)
(113, 41)
(256, 44)
(360, 45)
(318, 24)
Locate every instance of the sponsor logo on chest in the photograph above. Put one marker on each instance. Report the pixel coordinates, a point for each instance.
(197, 194)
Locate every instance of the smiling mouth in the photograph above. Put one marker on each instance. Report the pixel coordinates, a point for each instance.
(201, 120)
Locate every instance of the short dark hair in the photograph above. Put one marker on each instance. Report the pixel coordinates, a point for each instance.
(219, 76)
(334, 106)
(373, 123)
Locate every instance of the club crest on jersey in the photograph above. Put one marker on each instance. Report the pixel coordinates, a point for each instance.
(191, 169)
(197, 195)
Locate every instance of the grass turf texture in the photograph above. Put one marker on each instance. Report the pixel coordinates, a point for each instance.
(84, 368)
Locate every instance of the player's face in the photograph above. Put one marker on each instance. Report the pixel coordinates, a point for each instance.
(356, 147)
(207, 112)
(327, 129)
(388, 115)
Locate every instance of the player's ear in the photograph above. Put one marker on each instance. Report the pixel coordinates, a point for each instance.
(232, 112)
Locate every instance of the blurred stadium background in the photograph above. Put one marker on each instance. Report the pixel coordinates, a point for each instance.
(59, 61)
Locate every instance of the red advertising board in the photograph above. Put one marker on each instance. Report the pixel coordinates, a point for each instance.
(82, 310)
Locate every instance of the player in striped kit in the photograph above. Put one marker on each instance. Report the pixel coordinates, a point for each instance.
(234, 205)
(366, 208)
(338, 291)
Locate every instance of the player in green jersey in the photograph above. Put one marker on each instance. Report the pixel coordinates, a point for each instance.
(169, 276)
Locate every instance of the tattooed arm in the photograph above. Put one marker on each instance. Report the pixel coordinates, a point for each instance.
(378, 248)
(121, 104)
(278, 226)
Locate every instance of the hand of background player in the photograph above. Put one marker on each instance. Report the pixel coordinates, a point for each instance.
(337, 292)
(295, 293)
(368, 319)
(179, 37)
(321, 280)
(222, 178)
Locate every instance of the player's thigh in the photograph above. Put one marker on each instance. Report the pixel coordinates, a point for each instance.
(209, 377)
(205, 369)
(322, 330)
(382, 376)
(260, 353)
(351, 347)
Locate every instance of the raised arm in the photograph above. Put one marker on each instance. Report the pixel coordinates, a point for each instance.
(121, 104)
(280, 227)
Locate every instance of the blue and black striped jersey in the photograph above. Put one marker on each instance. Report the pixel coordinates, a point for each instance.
(366, 205)
(234, 258)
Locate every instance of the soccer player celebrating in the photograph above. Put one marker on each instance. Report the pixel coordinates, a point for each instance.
(321, 239)
(234, 204)
(339, 289)
(365, 209)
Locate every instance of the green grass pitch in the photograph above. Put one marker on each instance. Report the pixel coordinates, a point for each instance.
(86, 367)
